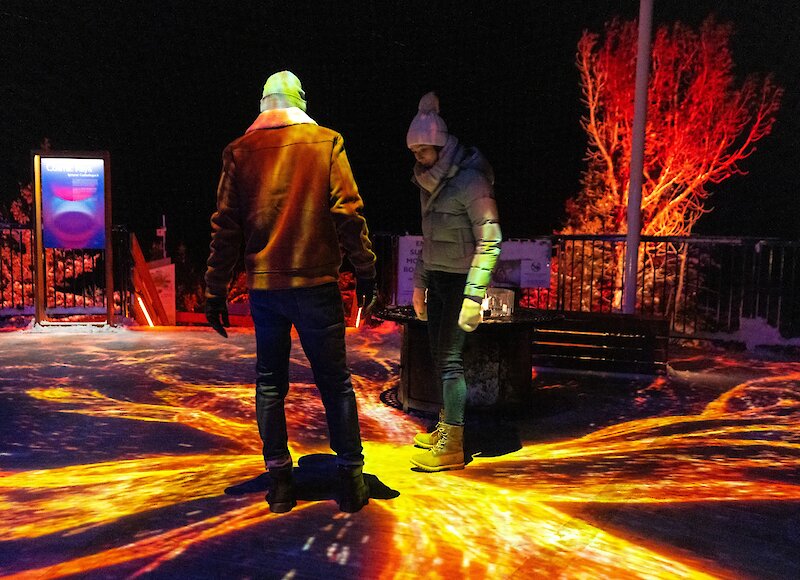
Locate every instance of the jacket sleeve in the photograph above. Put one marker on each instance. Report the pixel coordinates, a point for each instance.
(346, 207)
(226, 233)
(482, 211)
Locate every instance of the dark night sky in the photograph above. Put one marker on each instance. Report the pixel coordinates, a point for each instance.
(164, 86)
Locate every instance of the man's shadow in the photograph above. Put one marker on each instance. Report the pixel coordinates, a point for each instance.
(315, 479)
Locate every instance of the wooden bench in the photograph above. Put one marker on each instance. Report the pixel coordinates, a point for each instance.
(599, 342)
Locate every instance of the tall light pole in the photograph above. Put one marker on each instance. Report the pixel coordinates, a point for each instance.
(637, 158)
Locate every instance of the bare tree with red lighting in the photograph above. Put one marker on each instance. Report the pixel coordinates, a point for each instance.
(701, 124)
(16, 250)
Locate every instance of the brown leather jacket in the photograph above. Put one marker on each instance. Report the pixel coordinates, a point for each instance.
(287, 192)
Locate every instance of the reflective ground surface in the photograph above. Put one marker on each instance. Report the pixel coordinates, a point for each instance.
(127, 454)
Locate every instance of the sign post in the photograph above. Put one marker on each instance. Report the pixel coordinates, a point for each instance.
(72, 212)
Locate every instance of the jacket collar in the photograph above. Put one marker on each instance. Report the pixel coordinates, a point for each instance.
(274, 118)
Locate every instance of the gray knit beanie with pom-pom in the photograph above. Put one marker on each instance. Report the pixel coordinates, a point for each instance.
(427, 127)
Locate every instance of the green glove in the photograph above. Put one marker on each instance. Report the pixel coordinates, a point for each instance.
(470, 316)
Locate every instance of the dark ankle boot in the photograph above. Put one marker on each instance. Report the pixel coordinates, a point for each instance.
(280, 495)
(353, 490)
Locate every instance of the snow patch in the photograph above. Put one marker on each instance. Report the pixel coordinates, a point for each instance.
(755, 332)
(74, 328)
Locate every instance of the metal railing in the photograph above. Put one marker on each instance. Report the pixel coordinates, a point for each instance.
(75, 278)
(702, 285)
(16, 269)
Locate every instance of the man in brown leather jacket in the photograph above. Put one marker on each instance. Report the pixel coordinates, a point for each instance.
(287, 194)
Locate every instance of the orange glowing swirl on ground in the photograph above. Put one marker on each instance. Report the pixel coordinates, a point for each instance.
(499, 517)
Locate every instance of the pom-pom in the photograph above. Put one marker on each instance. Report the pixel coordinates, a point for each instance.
(429, 103)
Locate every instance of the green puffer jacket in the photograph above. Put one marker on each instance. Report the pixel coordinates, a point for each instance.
(460, 226)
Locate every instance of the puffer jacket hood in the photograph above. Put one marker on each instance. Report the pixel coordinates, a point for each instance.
(460, 158)
(474, 159)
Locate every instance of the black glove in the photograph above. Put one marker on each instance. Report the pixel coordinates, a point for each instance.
(217, 314)
(365, 292)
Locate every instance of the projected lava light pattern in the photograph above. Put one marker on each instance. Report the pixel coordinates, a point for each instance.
(117, 447)
(73, 203)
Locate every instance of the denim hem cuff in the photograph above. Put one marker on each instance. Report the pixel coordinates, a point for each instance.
(279, 463)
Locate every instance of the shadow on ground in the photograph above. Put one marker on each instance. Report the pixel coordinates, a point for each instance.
(314, 480)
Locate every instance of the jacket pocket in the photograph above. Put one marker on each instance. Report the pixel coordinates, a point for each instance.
(447, 227)
(454, 244)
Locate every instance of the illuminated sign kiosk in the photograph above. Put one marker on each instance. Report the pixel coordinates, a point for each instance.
(73, 225)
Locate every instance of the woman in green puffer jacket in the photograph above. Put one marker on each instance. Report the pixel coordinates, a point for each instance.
(461, 243)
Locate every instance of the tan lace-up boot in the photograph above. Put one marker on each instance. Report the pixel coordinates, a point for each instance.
(428, 440)
(447, 453)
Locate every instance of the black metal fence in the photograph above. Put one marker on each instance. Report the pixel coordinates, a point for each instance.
(16, 269)
(75, 278)
(704, 286)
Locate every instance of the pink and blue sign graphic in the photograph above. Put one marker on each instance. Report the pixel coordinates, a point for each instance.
(73, 203)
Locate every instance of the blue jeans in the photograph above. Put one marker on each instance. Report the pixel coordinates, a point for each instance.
(445, 295)
(318, 315)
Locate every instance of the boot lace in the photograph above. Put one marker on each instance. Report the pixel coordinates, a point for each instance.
(440, 423)
(442, 442)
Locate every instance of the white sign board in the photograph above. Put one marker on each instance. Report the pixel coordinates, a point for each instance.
(408, 248)
(522, 264)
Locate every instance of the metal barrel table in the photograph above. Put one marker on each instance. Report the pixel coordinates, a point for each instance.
(497, 359)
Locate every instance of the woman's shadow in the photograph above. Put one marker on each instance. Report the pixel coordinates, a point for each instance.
(315, 480)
